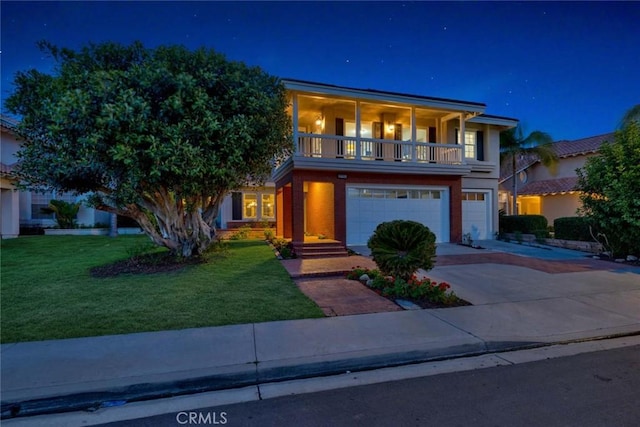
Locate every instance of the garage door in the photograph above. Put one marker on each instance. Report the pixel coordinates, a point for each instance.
(475, 214)
(369, 206)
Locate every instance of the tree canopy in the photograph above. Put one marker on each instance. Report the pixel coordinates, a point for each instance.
(159, 135)
(610, 190)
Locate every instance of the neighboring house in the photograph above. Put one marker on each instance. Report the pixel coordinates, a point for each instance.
(22, 209)
(9, 196)
(367, 156)
(252, 205)
(539, 190)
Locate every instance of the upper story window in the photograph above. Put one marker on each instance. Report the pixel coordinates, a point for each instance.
(473, 144)
(470, 144)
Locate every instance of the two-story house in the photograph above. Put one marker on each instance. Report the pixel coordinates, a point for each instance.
(363, 157)
(541, 192)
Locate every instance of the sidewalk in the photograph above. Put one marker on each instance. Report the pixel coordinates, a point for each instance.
(514, 307)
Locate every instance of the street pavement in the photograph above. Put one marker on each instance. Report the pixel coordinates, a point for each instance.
(514, 307)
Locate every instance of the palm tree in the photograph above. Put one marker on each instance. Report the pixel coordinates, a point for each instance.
(632, 115)
(514, 145)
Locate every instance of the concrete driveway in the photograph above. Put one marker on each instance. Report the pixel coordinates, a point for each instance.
(525, 273)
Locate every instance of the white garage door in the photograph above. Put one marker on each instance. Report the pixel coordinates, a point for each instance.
(369, 206)
(475, 214)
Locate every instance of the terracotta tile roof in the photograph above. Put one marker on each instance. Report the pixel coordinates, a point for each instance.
(563, 149)
(581, 146)
(549, 186)
(8, 122)
(6, 169)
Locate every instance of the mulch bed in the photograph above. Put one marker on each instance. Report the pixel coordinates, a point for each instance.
(145, 264)
(424, 303)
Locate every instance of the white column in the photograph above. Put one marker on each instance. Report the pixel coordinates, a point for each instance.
(414, 135)
(358, 140)
(10, 205)
(461, 137)
(294, 120)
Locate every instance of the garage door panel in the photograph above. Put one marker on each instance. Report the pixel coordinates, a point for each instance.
(476, 214)
(365, 213)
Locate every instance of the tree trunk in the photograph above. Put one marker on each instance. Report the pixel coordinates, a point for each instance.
(113, 224)
(515, 185)
(185, 226)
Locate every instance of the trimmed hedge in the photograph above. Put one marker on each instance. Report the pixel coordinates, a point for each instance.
(526, 224)
(573, 228)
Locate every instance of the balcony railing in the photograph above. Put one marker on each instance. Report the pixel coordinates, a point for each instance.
(351, 148)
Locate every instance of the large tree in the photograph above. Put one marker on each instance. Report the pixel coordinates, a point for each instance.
(514, 145)
(610, 190)
(159, 135)
(632, 115)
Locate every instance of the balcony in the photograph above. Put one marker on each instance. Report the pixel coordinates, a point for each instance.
(368, 149)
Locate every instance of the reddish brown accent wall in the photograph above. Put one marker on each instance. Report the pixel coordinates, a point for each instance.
(455, 211)
(297, 212)
(287, 217)
(340, 211)
(280, 212)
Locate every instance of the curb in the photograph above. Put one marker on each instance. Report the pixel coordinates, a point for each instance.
(119, 396)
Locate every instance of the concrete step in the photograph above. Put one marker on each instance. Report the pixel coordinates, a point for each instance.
(320, 250)
(336, 254)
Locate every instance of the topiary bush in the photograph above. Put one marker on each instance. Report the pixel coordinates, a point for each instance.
(526, 224)
(399, 248)
(573, 228)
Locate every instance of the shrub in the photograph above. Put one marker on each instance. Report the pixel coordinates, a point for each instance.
(399, 248)
(284, 247)
(414, 288)
(527, 224)
(357, 272)
(242, 233)
(65, 213)
(573, 228)
(269, 234)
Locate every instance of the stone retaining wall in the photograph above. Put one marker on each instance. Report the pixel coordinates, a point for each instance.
(592, 247)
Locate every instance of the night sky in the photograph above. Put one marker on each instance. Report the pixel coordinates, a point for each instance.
(568, 68)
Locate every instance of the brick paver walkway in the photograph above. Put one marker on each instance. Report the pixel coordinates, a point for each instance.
(337, 296)
(547, 266)
(325, 266)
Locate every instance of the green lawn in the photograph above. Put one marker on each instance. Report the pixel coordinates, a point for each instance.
(48, 293)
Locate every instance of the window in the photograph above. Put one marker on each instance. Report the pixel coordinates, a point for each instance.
(250, 205)
(254, 206)
(470, 144)
(523, 177)
(473, 144)
(41, 200)
(268, 204)
(468, 196)
(383, 193)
